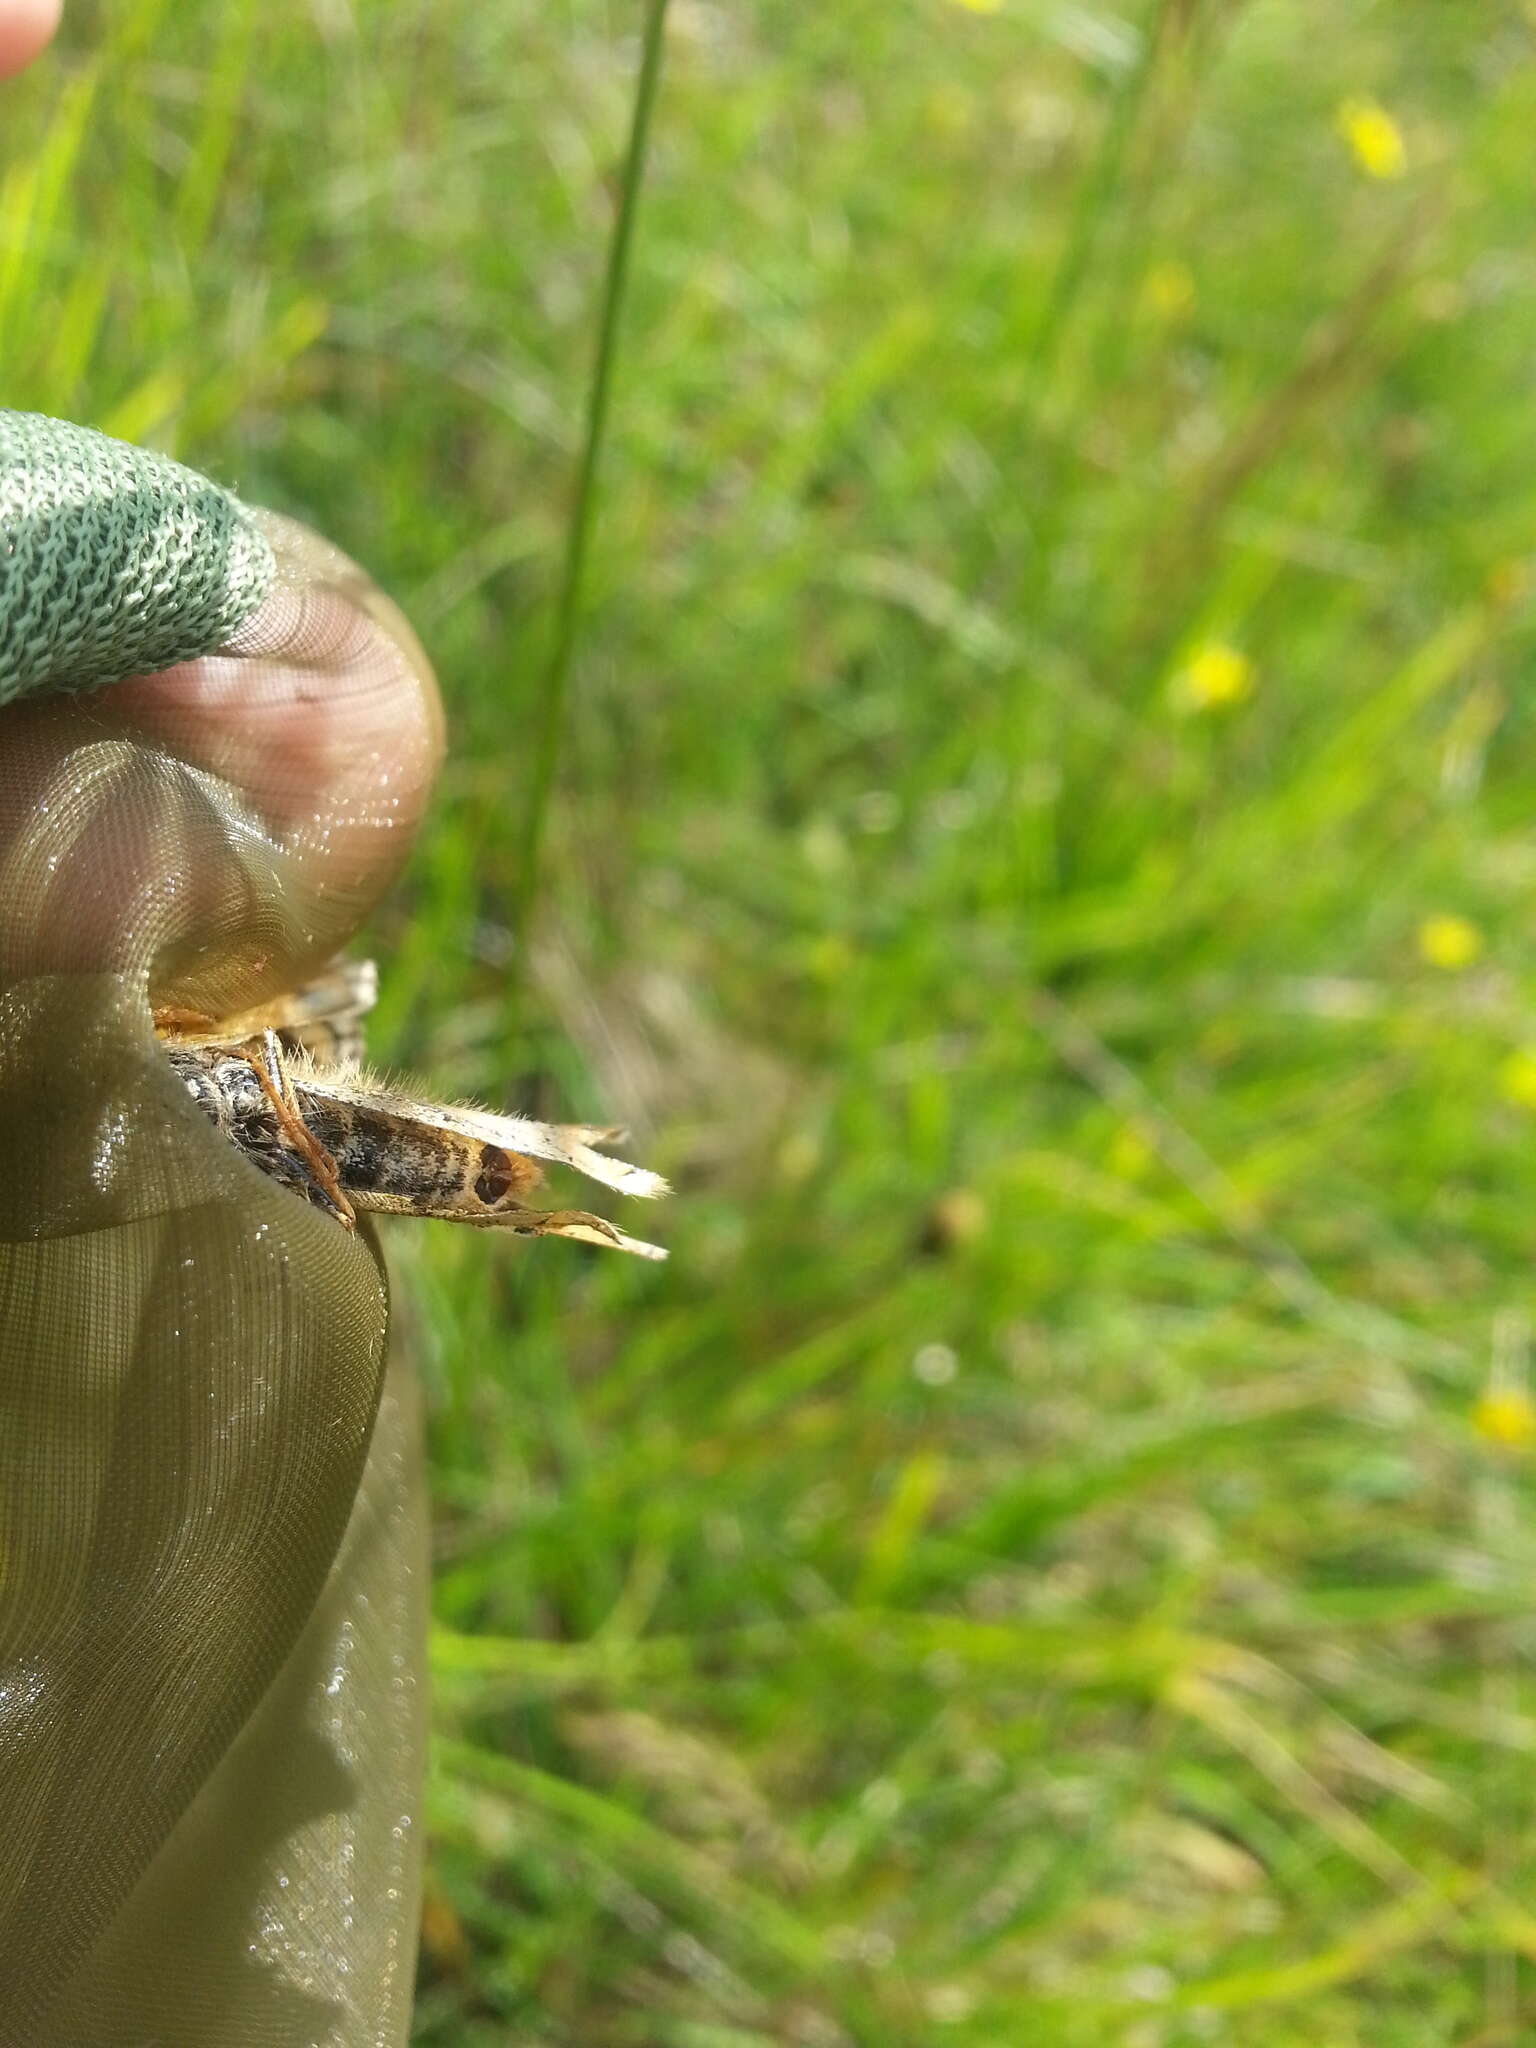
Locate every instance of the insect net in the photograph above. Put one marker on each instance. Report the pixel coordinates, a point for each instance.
(215, 739)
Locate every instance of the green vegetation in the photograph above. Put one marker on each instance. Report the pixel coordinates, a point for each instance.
(1043, 850)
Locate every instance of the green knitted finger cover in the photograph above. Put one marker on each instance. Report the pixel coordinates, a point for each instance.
(113, 561)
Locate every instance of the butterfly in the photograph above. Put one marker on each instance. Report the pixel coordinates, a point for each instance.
(285, 1086)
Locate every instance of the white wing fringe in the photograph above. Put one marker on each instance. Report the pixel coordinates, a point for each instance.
(569, 1144)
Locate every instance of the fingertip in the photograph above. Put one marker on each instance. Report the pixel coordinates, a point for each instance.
(26, 27)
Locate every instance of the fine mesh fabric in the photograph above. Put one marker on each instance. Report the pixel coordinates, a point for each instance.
(213, 1586)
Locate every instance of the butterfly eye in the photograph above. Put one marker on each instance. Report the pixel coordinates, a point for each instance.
(497, 1176)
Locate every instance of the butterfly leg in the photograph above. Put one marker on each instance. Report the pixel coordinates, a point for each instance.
(271, 1070)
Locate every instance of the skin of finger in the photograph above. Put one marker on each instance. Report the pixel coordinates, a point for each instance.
(224, 825)
(26, 27)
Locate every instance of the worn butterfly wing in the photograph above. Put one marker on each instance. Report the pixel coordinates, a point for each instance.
(211, 1583)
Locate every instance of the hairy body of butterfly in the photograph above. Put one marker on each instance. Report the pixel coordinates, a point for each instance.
(347, 1143)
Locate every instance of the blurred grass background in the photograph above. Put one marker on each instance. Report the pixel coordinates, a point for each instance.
(1044, 853)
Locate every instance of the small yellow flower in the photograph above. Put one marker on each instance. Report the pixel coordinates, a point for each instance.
(1168, 290)
(1505, 1416)
(1517, 1077)
(980, 6)
(1214, 677)
(1448, 941)
(1374, 138)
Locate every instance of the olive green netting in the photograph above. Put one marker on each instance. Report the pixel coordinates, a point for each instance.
(211, 1574)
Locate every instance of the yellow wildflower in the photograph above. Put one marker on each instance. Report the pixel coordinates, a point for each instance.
(1214, 676)
(1448, 941)
(1374, 138)
(1506, 1417)
(980, 6)
(1168, 290)
(1517, 1077)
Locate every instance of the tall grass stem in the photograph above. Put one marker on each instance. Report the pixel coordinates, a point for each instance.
(556, 686)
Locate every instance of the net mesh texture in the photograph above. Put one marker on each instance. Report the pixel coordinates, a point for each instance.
(211, 1611)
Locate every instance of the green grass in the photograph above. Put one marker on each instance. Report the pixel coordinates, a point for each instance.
(1028, 1571)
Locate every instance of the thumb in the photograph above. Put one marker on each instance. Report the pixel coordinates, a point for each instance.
(215, 826)
(26, 26)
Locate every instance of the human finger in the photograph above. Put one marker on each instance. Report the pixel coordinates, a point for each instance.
(26, 27)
